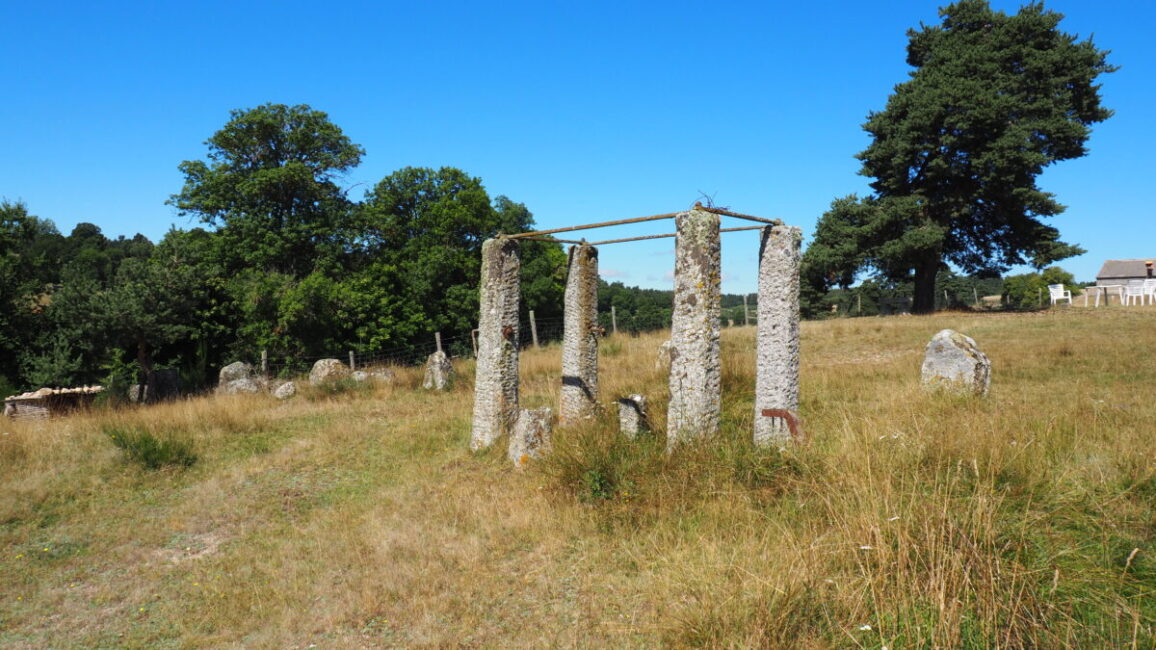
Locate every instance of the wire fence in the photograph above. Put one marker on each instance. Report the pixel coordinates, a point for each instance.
(463, 345)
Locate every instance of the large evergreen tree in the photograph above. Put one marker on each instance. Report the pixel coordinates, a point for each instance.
(992, 101)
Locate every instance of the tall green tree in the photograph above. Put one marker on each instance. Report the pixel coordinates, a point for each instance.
(427, 226)
(270, 186)
(993, 100)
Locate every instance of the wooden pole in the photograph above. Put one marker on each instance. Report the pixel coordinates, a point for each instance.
(264, 362)
(438, 340)
(613, 320)
(746, 312)
(533, 328)
(352, 361)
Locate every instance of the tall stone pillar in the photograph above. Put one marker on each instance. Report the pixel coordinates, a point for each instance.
(579, 397)
(695, 390)
(496, 377)
(777, 367)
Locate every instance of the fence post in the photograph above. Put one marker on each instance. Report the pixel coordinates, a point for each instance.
(1039, 297)
(533, 328)
(264, 363)
(474, 340)
(975, 294)
(613, 320)
(438, 340)
(946, 304)
(746, 312)
(352, 361)
(859, 300)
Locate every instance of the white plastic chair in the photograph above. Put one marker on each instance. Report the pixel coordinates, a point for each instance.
(1134, 292)
(1057, 293)
(1150, 290)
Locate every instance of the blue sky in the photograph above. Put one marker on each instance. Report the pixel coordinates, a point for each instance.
(585, 111)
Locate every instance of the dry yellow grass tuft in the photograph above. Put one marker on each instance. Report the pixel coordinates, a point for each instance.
(360, 519)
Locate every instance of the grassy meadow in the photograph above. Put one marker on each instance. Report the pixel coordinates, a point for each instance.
(359, 518)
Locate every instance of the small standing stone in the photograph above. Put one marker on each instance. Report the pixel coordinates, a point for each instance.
(632, 418)
(439, 372)
(327, 370)
(360, 376)
(954, 362)
(662, 362)
(242, 385)
(285, 391)
(530, 439)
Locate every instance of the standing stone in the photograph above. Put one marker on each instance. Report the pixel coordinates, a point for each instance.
(439, 372)
(579, 397)
(235, 370)
(632, 417)
(530, 439)
(285, 391)
(954, 362)
(662, 361)
(777, 366)
(328, 370)
(238, 386)
(496, 376)
(237, 377)
(695, 388)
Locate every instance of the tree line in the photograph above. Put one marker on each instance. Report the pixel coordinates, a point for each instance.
(284, 261)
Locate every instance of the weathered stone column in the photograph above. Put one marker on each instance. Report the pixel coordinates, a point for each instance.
(777, 367)
(496, 377)
(695, 391)
(579, 397)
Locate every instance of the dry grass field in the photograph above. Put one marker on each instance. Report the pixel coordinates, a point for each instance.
(358, 518)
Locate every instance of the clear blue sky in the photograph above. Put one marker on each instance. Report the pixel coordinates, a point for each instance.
(585, 111)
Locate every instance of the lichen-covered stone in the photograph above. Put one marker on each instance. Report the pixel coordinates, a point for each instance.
(579, 395)
(235, 370)
(285, 390)
(954, 362)
(439, 372)
(242, 385)
(530, 439)
(360, 376)
(777, 364)
(662, 360)
(632, 416)
(328, 370)
(496, 375)
(695, 377)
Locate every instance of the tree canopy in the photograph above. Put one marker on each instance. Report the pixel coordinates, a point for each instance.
(270, 187)
(993, 100)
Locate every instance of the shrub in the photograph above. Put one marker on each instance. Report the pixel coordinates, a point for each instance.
(151, 451)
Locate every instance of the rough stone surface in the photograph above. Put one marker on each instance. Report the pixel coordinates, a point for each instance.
(579, 396)
(439, 372)
(954, 362)
(285, 391)
(530, 439)
(327, 370)
(360, 376)
(662, 361)
(777, 365)
(632, 416)
(695, 378)
(242, 385)
(496, 376)
(234, 371)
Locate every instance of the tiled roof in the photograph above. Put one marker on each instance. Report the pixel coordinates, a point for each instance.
(1124, 269)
